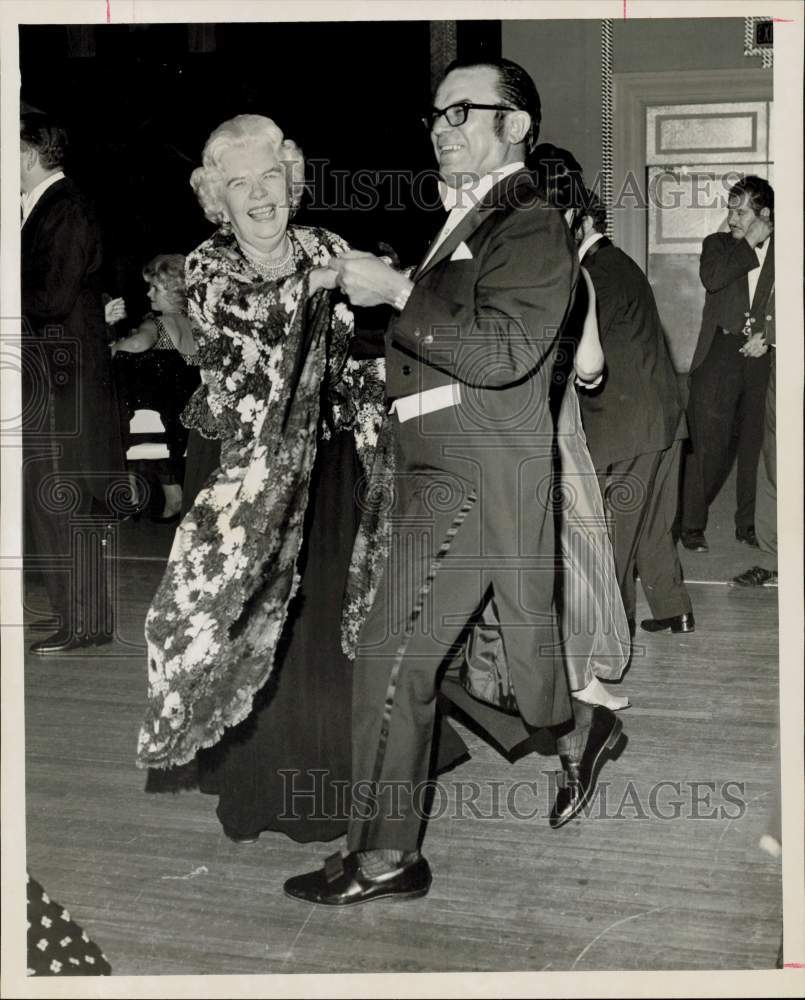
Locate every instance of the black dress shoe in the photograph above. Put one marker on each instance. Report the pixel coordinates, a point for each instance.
(342, 883)
(65, 640)
(241, 838)
(694, 540)
(757, 576)
(580, 775)
(676, 623)
(747, 536)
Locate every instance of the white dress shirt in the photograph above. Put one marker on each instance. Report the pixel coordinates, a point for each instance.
(754, 274)
(459, 201)
(29, 200)
(587, 242)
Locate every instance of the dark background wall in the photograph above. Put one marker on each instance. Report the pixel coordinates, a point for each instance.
(564, 57)
(140, 100)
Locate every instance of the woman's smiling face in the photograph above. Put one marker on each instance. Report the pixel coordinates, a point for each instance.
(255, 196)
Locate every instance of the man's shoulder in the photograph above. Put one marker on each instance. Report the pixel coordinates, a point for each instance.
(718, 241)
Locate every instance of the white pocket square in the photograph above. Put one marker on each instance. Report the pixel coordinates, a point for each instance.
(462, 252)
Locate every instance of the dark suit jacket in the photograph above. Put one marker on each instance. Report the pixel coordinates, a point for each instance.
(724, 266)
(637, 410)
(494, 314)
(66, 351)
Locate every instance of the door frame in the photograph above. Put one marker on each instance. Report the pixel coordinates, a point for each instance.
(632, 94)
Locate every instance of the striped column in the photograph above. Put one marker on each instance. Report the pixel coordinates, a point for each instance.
(606, 120)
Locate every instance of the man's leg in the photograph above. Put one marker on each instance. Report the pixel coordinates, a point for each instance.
(626, 489)
(764, 573)
(715, 388)
(657, 558)
(751, 416)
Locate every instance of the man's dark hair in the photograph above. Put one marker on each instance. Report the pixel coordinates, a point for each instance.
(761, 193)
(593, 209)
(558, 175)
(515, 87)
(47, 137)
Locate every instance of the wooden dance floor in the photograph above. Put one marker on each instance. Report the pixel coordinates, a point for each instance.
(154, 881)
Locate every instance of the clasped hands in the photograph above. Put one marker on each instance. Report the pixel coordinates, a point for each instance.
(755, 346)
(366, 280)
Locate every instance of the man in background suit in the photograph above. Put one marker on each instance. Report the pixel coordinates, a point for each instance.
(469, 362)
(764, 573)
(71, 436)
(634, 422)
(727, 386)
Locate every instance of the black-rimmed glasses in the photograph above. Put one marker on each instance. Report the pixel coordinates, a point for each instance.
(456, 114)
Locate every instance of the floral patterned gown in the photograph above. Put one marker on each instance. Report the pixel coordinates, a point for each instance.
(277, 379)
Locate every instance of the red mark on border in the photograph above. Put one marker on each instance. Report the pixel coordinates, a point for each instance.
(624, 10)
(108, 12)
(794, 965)
(783, 20)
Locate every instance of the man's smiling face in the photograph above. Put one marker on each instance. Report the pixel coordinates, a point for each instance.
(468, 151)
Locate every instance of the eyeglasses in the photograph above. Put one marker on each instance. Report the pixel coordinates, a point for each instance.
(456, 114)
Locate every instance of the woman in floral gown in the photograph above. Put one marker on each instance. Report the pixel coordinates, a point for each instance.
(246, 646)
(297, 420)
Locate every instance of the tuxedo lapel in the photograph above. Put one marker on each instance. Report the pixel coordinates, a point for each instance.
(765, 281)
(496, 197)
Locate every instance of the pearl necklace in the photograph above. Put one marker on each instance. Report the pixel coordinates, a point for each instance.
(269, 269)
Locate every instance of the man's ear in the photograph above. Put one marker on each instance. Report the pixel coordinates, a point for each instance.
(765, 213)
(31, 157)
(519, 122)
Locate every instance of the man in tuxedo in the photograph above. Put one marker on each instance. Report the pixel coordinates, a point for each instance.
(728, 386)
(469, 358)
(634, 423)
(71, 437)
(764, 572)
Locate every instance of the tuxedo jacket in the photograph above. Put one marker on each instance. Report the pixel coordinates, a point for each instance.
(724, 268)
(637, 409)
(486, 308)
(485, 312)
(67, 375)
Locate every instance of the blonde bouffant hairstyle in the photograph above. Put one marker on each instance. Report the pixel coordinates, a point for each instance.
(167, 270)
(245, 130)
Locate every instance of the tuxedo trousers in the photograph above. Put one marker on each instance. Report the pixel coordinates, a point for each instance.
(466, 528)
(725, 409)
(766, 492)
(640, 499)
(68, 542)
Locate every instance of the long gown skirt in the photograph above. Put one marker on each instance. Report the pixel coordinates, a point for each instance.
(297, 738)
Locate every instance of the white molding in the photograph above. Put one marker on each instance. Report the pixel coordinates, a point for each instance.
(633, 93)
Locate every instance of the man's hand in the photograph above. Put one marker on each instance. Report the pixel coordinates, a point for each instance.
(368, 280)
(755, 346)
(323, 277)
(114, 311)
(760, 229)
